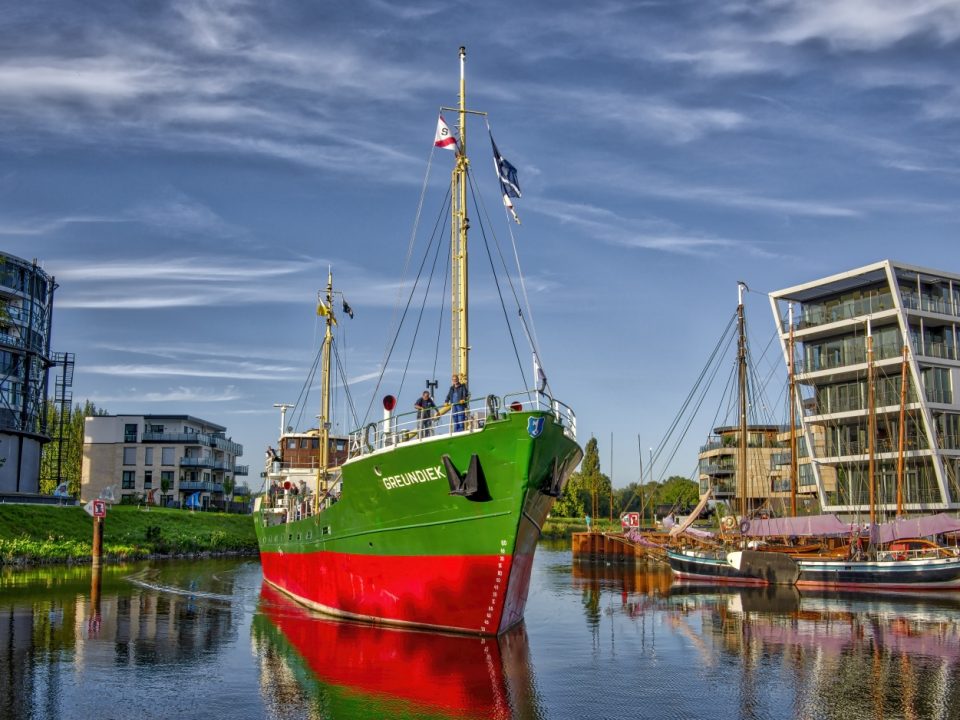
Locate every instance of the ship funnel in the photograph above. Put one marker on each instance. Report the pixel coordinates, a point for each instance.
(389, 403)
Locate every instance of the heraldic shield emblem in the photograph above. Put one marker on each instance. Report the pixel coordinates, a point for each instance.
(535, 426)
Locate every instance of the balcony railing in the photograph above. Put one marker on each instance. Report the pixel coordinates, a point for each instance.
(193, 486)
(202, 462)
(814, 315)
(241, 470)
(214, 441)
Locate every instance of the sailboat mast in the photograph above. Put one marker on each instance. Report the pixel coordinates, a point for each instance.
(793, 423)
(324, 418)
(742, 391)
(871, 429)
(460, 223)
(901, 444)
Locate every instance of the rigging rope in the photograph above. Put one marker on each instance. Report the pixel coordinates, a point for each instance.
(496, 281)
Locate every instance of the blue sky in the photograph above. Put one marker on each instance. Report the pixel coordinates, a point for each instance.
(188, 170)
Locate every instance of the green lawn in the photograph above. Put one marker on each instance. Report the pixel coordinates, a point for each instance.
(32, 533)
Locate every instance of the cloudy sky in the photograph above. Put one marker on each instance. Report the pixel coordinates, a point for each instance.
(188, 170)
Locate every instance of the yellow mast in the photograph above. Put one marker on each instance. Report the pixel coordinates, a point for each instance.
(460, 223)
(324, 417)
(901, 444)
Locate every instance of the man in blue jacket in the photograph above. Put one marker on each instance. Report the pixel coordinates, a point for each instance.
(458, 397)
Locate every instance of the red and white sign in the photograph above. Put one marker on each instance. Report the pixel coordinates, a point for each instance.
(630, 520)
(99, 508)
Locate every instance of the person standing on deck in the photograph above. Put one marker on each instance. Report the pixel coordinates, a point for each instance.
(458, 397)
(425, 407)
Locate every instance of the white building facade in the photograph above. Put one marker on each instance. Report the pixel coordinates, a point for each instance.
(137, 455)
(910, 317)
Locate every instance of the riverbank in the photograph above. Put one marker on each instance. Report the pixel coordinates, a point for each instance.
(561, 528)
(31, 534)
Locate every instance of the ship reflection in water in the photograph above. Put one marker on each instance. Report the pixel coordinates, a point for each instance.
(342, 669)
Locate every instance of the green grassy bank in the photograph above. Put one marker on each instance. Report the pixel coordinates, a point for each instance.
(40, 534)
(561, 528)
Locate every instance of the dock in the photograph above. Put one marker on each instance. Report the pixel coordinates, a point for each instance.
(613, 547)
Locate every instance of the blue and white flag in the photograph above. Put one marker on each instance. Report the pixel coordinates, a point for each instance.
(507, 174)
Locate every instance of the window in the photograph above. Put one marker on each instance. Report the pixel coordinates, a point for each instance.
(147, 479)
(129, 481)
(315, 443)
(130, 432)
(341, 445)
(129, 456)
(291, 443)
(303, 443)
(167, 475)
(156, 428)
(148, 456)
(166, 456)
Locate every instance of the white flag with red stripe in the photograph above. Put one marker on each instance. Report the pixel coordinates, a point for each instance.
(445, 137)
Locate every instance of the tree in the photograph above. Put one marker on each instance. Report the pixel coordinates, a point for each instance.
(678, 491)
(71, 460)
(165, 484)
(577, 497)
(229, 483)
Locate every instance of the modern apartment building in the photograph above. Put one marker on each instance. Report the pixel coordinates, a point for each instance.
(835, 320)
(138, 454)
(719, 462)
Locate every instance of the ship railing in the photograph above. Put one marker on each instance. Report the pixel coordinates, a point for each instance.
(408, 427)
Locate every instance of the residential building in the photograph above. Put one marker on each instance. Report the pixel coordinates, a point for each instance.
(857, 323)
(26, 307)
(138, 454)
(719, 464)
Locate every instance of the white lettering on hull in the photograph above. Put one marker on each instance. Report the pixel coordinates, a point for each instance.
(422, 475)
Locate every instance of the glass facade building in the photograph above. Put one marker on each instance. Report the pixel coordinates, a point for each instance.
(909, 317)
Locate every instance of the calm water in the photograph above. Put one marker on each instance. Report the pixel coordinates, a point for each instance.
(204, 639)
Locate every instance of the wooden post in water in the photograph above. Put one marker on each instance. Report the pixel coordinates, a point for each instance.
(97, 541)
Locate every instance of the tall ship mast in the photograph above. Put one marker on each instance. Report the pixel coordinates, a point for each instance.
(426, 520)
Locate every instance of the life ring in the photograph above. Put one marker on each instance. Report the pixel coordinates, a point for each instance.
(493, 407)
(744, 526)
(729, 522)
(369, 435)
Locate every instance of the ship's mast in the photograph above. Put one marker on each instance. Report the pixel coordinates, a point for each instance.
(793, 424)
(742, 386)
(460, 223)
(901, 440)
(871, 431)
(324, 417)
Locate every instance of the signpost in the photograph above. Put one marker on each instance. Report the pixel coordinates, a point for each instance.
(630, 520)
(98, 509)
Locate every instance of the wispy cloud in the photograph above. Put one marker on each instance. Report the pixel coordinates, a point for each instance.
(239, 371)
(179, 395)
(660, 236)
(863, 24)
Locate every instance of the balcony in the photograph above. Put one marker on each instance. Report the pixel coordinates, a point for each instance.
(714, 469)
(182, 438)
(207, 462)
(188, 486)
(241, 470)
(214, 441)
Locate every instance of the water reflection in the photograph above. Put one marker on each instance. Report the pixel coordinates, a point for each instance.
(832, 655)
(63, 630)
(336, 669)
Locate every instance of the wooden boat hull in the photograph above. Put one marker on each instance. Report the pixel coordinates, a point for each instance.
(748, 567)
(917, 574)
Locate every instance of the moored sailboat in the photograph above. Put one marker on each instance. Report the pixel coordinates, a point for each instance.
(423, 525)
